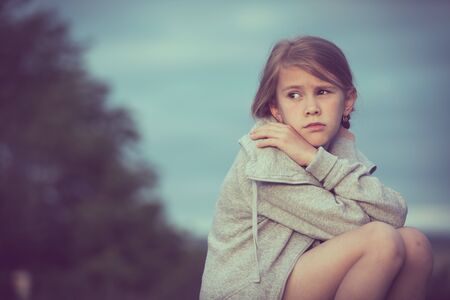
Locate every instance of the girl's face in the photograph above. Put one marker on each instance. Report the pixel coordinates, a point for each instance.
(303, 99)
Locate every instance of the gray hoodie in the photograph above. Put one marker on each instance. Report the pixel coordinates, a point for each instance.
(271, 210)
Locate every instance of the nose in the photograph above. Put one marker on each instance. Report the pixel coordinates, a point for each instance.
(311, 106)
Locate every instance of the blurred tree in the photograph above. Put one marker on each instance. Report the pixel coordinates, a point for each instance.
(76, 209)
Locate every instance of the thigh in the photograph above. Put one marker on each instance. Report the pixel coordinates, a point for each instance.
(320, 270)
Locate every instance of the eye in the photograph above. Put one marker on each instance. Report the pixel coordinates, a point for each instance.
(324, 92)
(294, 95)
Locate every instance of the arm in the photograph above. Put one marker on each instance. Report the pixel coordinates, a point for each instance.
(309, 209)
(322, 214)
(354, 181)
(304, 207)
(347, 196)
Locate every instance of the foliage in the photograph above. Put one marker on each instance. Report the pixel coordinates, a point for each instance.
(76, 210)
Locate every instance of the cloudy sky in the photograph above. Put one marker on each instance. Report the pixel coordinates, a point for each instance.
(188, 71)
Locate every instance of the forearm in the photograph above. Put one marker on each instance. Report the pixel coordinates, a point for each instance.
(309, 209)
(352, 180)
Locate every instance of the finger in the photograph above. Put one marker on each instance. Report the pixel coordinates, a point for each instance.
(269, 129)
(280, 128)
(264, 133)
(267, 143)
(269, 125)
(278, 125)
(275, 125)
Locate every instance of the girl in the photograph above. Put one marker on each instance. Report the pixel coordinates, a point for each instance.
(300, 215)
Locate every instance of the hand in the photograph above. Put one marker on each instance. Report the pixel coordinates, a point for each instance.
(286, 139)
(345, 133)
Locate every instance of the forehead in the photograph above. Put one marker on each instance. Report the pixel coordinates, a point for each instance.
(294, 75)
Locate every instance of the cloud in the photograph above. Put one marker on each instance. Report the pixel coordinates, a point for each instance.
(168, 54)
(257, 17)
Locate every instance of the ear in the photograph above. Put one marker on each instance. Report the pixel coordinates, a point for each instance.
(276, 113)
(349, 101)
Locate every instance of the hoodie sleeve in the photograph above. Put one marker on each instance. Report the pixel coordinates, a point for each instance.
(353, 181)
(349, 198)
(302, 206)
(309, 209)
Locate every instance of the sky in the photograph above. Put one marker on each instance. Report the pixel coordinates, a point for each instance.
(188, 71)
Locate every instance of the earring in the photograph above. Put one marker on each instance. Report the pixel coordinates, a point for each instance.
(345, 121)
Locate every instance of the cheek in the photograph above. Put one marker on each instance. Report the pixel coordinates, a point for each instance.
(285, 108)
(336, 110)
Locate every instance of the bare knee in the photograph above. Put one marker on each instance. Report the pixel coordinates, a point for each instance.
(384, 242)
(419, 253)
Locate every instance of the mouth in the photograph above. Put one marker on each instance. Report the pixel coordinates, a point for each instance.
(315, 126)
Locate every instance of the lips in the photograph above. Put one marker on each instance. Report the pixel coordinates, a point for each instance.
(314, 124)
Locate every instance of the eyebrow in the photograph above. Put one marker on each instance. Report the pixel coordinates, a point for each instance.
(300, 87)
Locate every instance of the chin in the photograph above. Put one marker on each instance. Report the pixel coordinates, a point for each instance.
(318, 142)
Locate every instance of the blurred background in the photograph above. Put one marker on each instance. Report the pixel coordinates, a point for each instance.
(119, 120)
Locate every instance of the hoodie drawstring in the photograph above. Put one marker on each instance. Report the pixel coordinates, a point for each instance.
(255, 228)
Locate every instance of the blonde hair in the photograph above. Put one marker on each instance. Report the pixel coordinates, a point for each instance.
(317, 56)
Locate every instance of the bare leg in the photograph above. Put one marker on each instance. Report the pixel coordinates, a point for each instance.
(412, 280)
(359, 264)
(371, 276)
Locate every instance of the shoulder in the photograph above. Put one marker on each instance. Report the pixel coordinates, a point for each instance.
(346, 148)
(252, 152)
(365, 161)
(270, 164)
